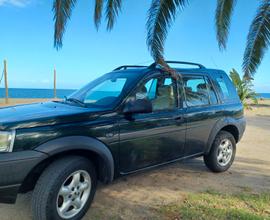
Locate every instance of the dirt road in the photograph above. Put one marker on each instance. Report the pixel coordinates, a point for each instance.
(137, 196)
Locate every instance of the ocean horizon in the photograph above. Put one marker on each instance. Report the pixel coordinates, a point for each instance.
(60, 93)
(35, 93)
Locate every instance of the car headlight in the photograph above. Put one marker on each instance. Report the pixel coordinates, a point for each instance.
(6, 141)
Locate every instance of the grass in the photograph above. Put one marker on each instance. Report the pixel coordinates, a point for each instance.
(212, 205)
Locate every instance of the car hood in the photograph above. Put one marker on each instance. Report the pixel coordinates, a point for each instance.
(43, 114)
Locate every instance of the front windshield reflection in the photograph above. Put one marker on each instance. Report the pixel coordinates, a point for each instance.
(106, 91)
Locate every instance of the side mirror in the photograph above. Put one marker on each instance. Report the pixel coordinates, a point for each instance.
(138, 106)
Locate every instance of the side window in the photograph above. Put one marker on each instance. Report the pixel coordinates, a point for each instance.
(223, 87)
(212, 93)
(166, 97)
(196, 91)
(151, 87)
(160, 91)
(226, 87)
(168, 81)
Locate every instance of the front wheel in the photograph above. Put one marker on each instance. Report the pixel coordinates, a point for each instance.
(222, 153)
(65, 190)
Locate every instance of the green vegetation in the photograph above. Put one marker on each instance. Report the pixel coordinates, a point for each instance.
(212, 205)
(162, 14)
(244, 88)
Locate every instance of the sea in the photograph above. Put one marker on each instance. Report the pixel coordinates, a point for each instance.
(35, 93)
(264, 95)
(61, 93)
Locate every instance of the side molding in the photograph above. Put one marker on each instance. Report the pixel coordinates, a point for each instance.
(70, 143)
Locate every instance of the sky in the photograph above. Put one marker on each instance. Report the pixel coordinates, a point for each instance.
(26, 42)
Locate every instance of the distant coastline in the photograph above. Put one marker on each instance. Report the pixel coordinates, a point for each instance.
(18, 93)
(264, 95)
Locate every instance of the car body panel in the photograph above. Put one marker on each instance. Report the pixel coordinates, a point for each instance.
(70, 143)
(14, 168)
(150, 139)
(200, 122)
(43, 114)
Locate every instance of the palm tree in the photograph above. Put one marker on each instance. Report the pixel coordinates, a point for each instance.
(258, 38)
(244, 88)
(63, 9)
(161, 16)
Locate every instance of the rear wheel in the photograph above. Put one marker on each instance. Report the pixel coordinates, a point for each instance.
(65, 190)
(222, 152)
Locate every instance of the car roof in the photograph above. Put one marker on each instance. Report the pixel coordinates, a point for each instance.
(146, 70)
(200, 69)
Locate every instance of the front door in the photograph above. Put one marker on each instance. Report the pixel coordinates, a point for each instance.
(153, 138)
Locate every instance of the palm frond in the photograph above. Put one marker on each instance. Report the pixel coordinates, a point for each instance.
(62, 11)
(258, 39)
(98, 12)
(235, 77)
(244, 88)
(224, 12)
(160, 17)
(113, 8)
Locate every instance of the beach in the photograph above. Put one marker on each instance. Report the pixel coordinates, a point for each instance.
(142, 195)
(12, 101)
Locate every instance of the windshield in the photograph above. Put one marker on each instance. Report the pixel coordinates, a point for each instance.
(106, 91)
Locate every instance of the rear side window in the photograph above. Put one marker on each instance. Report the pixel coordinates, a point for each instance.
(223, 87)
(196, 91)
(227, 89)
(212, 93)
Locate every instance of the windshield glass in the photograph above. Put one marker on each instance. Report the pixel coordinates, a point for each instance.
(106, 91)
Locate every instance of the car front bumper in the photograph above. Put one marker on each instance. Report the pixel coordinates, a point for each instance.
(14, 168)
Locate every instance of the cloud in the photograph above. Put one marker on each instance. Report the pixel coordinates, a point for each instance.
(16, 3)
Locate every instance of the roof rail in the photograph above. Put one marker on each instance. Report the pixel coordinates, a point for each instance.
(154, 65)
(128, 67)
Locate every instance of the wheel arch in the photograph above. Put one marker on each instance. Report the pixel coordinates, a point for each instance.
(225, 125)
(88, 147)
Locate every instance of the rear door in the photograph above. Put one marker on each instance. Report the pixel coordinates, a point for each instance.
(153, 138)
(202, 112)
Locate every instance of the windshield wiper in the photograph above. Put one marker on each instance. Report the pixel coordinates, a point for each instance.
(77, 101)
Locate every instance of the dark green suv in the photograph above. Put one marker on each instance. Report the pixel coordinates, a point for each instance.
(131, 119)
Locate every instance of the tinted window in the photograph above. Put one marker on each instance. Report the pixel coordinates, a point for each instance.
(160, 91)
(151, 87)
(196, 91)
(212, 93)
(223, 88)
(166, 97)
(227, 89)
(168, 81)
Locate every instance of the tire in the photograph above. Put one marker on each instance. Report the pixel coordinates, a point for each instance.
(65, 173)
(219, 160)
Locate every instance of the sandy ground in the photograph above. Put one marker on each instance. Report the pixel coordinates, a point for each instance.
(20, 101)
(137, 196)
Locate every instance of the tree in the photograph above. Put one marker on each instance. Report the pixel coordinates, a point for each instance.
(244, 88)
(63, 9)
(161, 16)
(258, 37)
